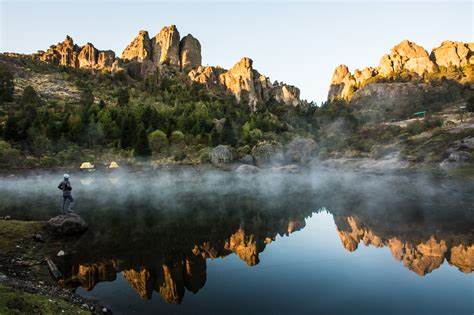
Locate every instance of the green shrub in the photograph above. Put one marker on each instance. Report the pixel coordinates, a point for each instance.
(177, 137)
(157, 140)
(415, 127)
(8, 155)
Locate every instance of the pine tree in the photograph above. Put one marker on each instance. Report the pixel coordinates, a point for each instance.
(6, 85)
(141, 146)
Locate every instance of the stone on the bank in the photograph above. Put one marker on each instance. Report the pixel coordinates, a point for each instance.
(247, 169)
(287, 169)
(221, 154)
(67, 224)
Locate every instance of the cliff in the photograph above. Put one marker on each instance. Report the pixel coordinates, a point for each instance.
(166, 51)
(407, 60)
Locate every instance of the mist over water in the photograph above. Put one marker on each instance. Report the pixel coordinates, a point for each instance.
(174, 240)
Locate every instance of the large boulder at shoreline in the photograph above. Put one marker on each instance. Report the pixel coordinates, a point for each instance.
(67, 224)
(221, 154)
(267, 153)
(300, 150)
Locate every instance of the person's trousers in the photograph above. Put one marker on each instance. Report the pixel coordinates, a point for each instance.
(66, 199)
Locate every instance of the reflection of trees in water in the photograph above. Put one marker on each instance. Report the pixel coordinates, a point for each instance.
(166, 252)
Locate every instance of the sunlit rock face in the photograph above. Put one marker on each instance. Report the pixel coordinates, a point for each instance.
(166, 46)
(407, 57)
(64, 53)
(246, 84)
(68, 54)
(189, 53)
(139, 49)
(167, 52)
(458, 54)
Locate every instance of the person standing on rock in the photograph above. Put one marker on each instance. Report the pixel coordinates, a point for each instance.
(66, 187)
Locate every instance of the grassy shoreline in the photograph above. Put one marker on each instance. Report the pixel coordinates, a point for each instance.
(26, 286)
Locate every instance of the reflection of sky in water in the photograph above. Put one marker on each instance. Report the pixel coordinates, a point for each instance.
(309, 272)
(149, 222)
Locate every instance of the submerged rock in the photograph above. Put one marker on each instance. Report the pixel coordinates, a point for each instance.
(67, 224)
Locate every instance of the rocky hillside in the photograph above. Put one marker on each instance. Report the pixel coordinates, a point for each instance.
(406, 58)
(167, 52)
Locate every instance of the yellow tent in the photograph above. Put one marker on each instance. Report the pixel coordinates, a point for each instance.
(113, 164)
(86, 166)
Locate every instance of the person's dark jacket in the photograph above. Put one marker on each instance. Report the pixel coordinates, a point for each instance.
(65, 186)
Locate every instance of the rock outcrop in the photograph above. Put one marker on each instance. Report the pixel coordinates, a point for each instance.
(139, 49)
(69, 54)
(246, 84)
(166, 46)
(409, 56)
(453, 53)
(405, 57)
(145, 56)
(189, 53)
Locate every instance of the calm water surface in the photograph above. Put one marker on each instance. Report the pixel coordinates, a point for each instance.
(324, 242)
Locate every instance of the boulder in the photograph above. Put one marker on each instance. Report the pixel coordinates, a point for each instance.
(459, 156)
(300, 150)
(189, 53)
(247, 159)
(247, 169)
(221, 154)
(266, 153)
(67, 224)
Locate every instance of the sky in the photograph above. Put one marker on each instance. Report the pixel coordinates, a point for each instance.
(299, 43)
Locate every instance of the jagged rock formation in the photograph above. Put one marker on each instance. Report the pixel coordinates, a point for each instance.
(69, 54)
(246, 84)
(144, 56)
(453, 53)
(139, 49)
(166, 47)
(189, 53)
(406, 56)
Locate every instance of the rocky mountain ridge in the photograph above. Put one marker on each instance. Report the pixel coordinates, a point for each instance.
(406, 57)
(146, 56)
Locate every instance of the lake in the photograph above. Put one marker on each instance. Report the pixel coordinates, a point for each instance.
(195, 241)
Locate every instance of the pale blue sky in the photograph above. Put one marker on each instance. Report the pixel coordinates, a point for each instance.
(299, 43)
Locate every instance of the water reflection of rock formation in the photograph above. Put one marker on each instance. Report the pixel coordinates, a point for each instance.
(422, 256)
(171, 277)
